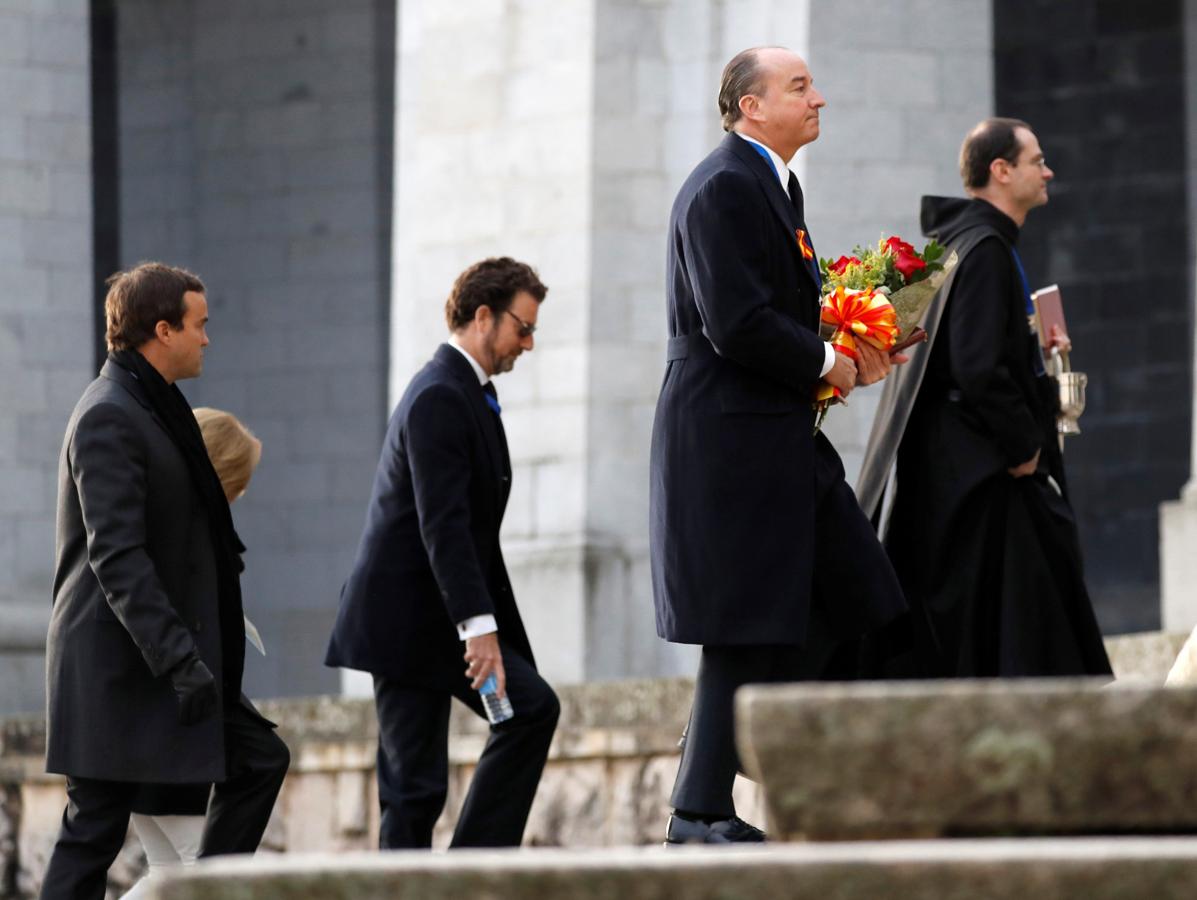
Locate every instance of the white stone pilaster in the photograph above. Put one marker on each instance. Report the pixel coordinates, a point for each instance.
(1178, 519)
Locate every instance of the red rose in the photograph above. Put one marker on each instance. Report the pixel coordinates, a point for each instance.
(896, 246)
(842, 263)
(908, 263)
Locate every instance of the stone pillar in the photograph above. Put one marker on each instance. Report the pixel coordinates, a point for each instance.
(255, 149)
(563, 141)
(46, 315)
(1178, 519)
(904, 84)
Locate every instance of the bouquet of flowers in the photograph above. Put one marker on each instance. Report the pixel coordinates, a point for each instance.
(877, 295)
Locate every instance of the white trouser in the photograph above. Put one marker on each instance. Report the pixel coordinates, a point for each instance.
(169, 841)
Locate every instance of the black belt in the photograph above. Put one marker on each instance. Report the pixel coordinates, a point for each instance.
(684, 344)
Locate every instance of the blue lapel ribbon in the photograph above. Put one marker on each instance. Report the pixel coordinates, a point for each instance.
(1037, 362)
(812, 264)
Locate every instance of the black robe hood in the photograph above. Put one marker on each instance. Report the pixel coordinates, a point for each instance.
(946, 218)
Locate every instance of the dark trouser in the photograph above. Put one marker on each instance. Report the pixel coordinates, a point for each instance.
(852, 574)
(97, 815)
(92, 834)
(709, 759)
(257, 761)
(413, 760)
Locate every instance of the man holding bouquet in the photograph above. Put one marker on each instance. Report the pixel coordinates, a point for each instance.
(760, 552)
(981, 532)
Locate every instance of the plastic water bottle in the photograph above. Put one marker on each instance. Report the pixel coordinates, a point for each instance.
(498, 709)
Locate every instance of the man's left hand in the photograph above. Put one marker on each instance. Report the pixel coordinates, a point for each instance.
(873, 364)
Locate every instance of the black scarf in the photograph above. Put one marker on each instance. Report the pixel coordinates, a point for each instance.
(174, 412)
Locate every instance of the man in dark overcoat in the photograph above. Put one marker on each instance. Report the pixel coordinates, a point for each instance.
(759, 550)
(981, 531)
(429, 579)
(146, 645)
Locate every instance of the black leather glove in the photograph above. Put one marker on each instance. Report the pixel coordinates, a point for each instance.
(195, 689)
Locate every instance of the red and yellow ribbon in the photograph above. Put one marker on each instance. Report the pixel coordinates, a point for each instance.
(857, 315)
(803, 244)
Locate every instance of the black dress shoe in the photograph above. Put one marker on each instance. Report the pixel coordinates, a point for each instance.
(735, 830)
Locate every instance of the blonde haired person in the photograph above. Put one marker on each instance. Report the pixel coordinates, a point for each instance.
(169, 819)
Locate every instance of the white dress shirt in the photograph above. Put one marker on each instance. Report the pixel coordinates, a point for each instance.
(474, 626)
(783, 175)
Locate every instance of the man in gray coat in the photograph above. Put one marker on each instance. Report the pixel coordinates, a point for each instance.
(147, 644)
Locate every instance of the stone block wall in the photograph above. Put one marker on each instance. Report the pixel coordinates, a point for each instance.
(606, 784)
(1103, 85)
(255, 149)
(572, 156)
(46, 311)
(904, 83)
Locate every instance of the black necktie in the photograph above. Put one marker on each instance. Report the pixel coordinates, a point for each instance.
(795, 193)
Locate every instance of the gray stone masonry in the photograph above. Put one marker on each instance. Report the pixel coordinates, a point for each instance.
(941, 759)
(606, 784)
(1094, 869)
(904, 82)
(45, 308)
(565, 144)
(254, 142)
(1178, 518)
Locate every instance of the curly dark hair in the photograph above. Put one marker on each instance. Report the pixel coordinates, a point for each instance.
(140, 298)
(492, 282)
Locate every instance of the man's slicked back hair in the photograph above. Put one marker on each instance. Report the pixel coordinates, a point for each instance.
(741, 76)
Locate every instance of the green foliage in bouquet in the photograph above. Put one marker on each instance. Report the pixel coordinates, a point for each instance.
(892, 265)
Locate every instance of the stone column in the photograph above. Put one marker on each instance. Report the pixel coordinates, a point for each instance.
(46, 341)
(255, 142)
(562, 141)
(904, 84)
(1178, 519)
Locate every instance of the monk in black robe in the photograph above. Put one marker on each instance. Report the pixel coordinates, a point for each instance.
(981, 532)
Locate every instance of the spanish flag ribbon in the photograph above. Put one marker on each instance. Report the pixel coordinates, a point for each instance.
(857, 315)
(803, 244)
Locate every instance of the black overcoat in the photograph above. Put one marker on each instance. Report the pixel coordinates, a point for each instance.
(733, 462)
(135, 589)
(429, 555)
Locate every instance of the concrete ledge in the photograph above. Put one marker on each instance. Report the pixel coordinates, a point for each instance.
(1145, 657)
(929, 759)
(1061, 868)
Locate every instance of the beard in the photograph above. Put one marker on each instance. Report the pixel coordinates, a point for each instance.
(503, 363)
(498, 362)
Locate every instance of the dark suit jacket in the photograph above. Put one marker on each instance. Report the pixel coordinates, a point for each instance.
(733, 469)
(134, 592)
(429, 556)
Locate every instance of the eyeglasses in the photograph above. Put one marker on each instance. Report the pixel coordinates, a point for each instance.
(526, 329)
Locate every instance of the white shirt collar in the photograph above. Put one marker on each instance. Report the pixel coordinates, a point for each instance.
(779, 165)
(483, 378)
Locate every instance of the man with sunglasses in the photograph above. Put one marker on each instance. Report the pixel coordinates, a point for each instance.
(429, 580)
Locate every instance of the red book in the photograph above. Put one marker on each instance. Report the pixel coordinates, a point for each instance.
(1049, 311)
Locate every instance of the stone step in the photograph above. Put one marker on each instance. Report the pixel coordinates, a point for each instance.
(927, 759)
(995, 869)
